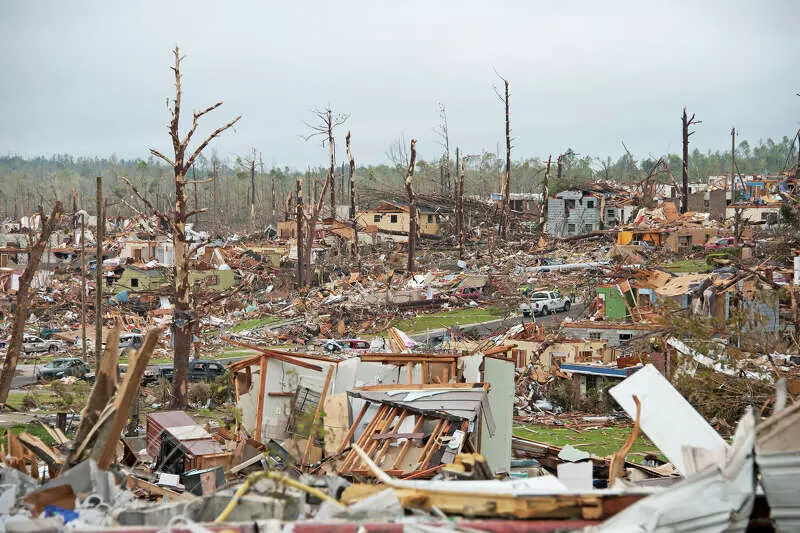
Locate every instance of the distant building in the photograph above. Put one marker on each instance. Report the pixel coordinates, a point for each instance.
(574, 213)
(391, 217)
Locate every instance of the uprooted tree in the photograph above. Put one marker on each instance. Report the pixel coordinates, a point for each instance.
(23, 302)
(183, 315)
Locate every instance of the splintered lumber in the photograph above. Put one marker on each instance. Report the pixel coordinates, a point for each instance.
(107, 444)
(105, 386)
(421, 495)
(353, 427)
(42, 451)
(262, 389)
(135, 483)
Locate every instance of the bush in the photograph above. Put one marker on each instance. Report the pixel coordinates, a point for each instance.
(199, 393)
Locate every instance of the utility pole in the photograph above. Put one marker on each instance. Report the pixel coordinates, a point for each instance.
(733, 164)
(83, 286)
(98, 323)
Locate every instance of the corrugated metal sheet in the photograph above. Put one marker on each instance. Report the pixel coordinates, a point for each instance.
(780, 472)
(157, 422)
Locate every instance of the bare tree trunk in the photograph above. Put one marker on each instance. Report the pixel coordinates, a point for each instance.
(352, 196)
(460, 196)
(272, 199)
(183, 315)
(686, 121)
(332, 165)
(412, 207)
(506, 204)
(733, 164)
(545, 193)
(253, 188)
(98, 290)
(194, 178)
(299, 220)
(23, 301)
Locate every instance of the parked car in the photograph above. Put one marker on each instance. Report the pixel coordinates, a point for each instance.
(131, 341)
(719, 243)
(33, 344)
(545, 302)
(62, 367)
(342, 345)
(200, 370)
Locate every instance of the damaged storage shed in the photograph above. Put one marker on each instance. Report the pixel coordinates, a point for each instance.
(180, 445)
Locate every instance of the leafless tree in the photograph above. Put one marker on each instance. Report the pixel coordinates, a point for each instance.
(412, 206)
(248, 164)
(182, 161)
(505, 204)
(352, 163)
(686, 122)
(397, 152)
(444, 142)
(327, 122)
(35, 251)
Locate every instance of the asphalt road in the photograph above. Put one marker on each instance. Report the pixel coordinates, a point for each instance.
(493, 326)
(25, 372)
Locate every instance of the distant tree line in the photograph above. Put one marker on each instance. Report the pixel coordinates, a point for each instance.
(29, 182)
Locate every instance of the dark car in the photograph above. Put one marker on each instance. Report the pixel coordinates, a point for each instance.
(63, 367)
(205, 370)
(199, 370)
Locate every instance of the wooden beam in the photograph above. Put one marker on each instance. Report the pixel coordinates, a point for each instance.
(407, 443)
(266, 353)
(262, 389)
(127, 393)
(353, 427)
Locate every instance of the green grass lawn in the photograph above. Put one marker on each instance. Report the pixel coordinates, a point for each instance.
(34, 428)
(602, 441)
(687, 265)
(252, 323)
(444, 319)
(15, 398)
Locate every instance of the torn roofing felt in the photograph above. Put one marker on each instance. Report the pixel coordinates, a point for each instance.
(463, 403)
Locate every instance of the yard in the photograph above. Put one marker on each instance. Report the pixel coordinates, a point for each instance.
(600, 441)
(446, 319)
(686, 265)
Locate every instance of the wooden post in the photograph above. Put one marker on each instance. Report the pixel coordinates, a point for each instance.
(262, 392)
(98, 278)
(317, 414)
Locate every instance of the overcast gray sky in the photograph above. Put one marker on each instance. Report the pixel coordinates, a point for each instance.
(91, 78)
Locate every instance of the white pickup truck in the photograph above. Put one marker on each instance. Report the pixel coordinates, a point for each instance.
(543, 303)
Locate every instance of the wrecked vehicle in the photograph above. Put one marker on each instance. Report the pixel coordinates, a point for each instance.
(32, 344)
(59, 368)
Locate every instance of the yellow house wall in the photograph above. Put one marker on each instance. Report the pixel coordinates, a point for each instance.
(367, 218)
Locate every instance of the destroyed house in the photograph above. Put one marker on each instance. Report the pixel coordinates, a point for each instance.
(411, 430)
(615, 333)
(574, 213)
(138, 250)
(391, 217)
(137, 279)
